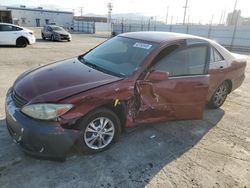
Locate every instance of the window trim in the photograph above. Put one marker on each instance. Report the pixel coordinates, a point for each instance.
(188, 76)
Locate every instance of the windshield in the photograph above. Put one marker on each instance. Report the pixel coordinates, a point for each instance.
(57, 28)
(119, 55)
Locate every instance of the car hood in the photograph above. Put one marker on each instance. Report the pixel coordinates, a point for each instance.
(59, 80)
(62, 32)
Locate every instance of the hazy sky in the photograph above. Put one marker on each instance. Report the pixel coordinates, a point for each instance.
(198, 10)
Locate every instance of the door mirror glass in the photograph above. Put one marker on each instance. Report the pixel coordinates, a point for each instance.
(157, 76)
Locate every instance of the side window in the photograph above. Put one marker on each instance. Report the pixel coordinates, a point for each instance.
(215, 56)
(184, 61)
(5, 28)
(16, 28)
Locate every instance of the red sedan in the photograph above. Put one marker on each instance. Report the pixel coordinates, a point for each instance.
(134, 78)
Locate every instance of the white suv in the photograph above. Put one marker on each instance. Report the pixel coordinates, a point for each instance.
(15, 35)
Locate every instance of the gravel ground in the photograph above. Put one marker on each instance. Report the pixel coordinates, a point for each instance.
(213, 152)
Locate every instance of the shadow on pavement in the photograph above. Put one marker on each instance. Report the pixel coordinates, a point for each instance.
(9, 46)
(132, 162)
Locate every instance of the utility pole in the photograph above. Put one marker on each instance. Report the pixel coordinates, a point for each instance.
(234, 32)
(235, 4)
(167, 15)
(185, 11)
(81, 10)
(171, 20)
(110, 8)
(223, 17)
(211, 21)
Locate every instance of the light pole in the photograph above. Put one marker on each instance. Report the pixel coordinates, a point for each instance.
(185, 11)
(167, 15)
(81, 10)
(110, 8)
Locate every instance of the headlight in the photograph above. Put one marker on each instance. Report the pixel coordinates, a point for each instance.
(46, 111)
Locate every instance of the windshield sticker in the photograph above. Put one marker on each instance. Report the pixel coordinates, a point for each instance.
(142, 45)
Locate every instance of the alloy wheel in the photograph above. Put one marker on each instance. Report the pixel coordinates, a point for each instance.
(99, 133)
(220, 95)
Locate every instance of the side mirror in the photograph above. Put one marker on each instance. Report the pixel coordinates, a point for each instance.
(157, 76)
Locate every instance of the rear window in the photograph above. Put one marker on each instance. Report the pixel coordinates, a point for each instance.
(215, 56)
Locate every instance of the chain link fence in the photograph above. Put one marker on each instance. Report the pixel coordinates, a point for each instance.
(83, 27)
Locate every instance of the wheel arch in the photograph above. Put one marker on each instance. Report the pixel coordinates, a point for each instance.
(230, 84)
(120, 109)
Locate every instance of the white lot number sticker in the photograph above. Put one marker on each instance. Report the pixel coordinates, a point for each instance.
(142, 45)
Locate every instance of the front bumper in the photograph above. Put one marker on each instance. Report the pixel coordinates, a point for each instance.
(63, 37)
(32, 39)
(38, 138)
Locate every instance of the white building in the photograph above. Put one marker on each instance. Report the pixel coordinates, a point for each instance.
(35, 17)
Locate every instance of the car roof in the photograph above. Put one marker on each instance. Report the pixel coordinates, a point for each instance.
(7, 24)
(1, 23)
(159, 37)
(168, 37)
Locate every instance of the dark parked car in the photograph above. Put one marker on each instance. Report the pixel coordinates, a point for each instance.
(55, 33)
(133, 78)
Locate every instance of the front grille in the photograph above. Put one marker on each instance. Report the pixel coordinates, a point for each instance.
(19, 101)
(64, 36)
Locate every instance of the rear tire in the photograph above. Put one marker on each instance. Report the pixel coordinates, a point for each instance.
(21, 42)
(99, 130)
(43, 37)
(219, 96)
(52, 38)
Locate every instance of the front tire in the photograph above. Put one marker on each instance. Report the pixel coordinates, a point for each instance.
(219, 96)
(21, 42)
(99, 130)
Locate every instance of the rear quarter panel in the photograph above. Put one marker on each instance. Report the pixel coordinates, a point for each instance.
(236, 71)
